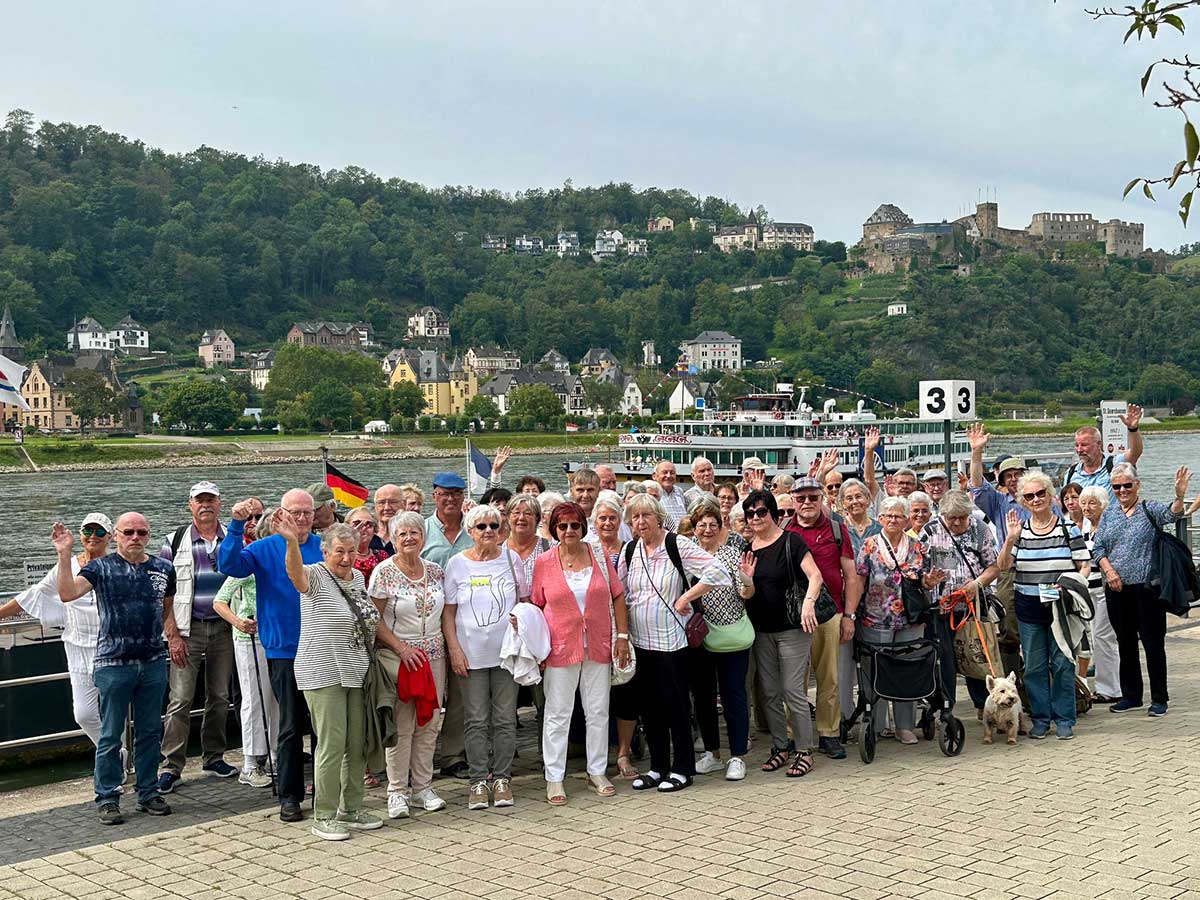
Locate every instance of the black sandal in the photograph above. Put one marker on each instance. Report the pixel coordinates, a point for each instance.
(646, 782)
(801, 765)
(776, 761)
(673, 783)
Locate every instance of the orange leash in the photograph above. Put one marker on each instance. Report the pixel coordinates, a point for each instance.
(947, 604)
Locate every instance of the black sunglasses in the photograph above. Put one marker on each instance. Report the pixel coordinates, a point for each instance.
(759, 512)
(1123, 486)
(93, 531)
(1033, 495)
(570, 526)
(488, 526)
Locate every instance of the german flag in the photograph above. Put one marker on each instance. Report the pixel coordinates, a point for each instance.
(346, 490)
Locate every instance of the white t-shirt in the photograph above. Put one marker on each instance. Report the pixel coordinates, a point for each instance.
(578, 582)
(484, 594)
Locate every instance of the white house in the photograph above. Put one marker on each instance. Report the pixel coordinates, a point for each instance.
(637, 247)
(376, 426)
(777, 234)
(713, 350)
(607, 243)
(567, 243)
(260, 369)
(529, 244)
(88, 336)
(428, 323)
(682, 397)
(127, 336)
(897, 309)
(631, 399)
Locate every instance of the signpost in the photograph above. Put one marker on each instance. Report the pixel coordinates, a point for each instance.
(1113, 433)
(949, 401)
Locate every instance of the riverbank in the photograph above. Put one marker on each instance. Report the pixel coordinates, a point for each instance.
(1067, 427)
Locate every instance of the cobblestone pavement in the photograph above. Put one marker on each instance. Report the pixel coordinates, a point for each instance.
(1113, 814)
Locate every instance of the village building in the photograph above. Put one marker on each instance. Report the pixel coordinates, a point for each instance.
(596, 360)
(608, 242)
(47, 391)
(10, 347)
(554, 361)
(88, 336)
(428, 323)
(446, 389)
(567, 244)
(660, 224)
(712, 350)
(488, 360)
(497, 243)
(528, 243)
(637, 247)
(731, 238)
(341, 336)
(696, 224)
(794, 234)
(260, 369)
(216, 349)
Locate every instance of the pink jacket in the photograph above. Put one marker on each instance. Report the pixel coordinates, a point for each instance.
(557, 602)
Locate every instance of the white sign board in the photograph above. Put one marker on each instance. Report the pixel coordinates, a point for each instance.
(1114, 434)
(947, 400)
(36, 569)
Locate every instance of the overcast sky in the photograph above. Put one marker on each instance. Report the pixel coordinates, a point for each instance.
(817, 111)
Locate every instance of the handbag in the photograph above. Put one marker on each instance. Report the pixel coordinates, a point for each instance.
(617, 674)
(696, 629)
(793, 601)
(917, 602)
(975, 642)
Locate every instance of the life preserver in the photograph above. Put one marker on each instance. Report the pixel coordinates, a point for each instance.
(777, 415)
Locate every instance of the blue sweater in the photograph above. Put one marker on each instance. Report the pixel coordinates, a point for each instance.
(278, 599)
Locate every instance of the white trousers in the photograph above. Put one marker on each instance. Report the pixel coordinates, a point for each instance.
(254, 738)
(560, 682)
(1106, 656)
(85, 704)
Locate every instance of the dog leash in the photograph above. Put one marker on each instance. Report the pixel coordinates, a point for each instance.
(946, 606)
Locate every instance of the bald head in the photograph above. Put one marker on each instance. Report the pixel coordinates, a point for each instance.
(608, 478)
(299, 503)
(388, 501)
(132, 546)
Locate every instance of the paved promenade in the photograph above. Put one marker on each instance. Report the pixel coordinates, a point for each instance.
(1113, 814)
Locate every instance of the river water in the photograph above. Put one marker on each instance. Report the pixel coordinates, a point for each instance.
(30, 503)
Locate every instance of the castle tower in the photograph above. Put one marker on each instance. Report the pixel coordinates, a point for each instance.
(9, 345)
(987, 220)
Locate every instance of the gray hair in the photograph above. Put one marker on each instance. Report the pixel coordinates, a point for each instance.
(897, 502)
(406, 519)
(411, 488)
(1094, 492)
(265, 527)
(339, 532)
(700, 459)
(919, 497)
(653, 488)
(847, 485)
(529, 502)
(783, 480)
(645, 503)
(548, 500)
(706, 505)
(906, 471)
(585, 476)
(481, 512)
(634, 487)
(1124, 468)
(609, 500)
(736, 512)
(956, 503)
(1040, 479)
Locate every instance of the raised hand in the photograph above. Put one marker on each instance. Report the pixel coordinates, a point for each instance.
(1013, 522)
(977, 436)
(747, 565)
(242, 509)
(1182, 477)
(934, 577)
(283, 524)
(1133, 417)
(889, 485)
(814, 467)
(502, 456)
(756, 479)
(62, 538)
(829, 462)
(963, 483)
(871, 440)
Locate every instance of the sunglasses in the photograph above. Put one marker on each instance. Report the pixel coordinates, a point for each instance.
(254, 517)
(759, 512)
(488, 526)
(93, 531)
(1034, 495)
(1123, 486)
(833, 486)
(807, 498)
(570, 526)
(139, 532)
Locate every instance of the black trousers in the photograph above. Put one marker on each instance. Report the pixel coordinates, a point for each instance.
(662, 688)
(294, 723)
(1137, 614)
(705, 671)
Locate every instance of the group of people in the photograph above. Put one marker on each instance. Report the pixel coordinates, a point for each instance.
(391, 636)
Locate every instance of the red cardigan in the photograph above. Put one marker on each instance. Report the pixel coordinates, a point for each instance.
(556, 600)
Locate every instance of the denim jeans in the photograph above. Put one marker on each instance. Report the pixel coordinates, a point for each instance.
(1049, 677)
(141, 685)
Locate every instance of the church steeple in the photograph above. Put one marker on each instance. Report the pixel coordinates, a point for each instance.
(9, 345)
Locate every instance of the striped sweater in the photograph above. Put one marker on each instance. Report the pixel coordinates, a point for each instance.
(1040, 559)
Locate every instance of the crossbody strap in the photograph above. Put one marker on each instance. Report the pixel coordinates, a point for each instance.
(363, 628)
(650, 578)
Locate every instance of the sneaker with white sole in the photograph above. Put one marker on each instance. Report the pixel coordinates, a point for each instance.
(478, 798)
(707, 764)
(330, 830)
(397, 805)
(502, 794)
(255, 777)
(427, 800)
(360, 821)
(735, 770)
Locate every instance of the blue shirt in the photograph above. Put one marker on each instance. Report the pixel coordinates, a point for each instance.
(437, 548)
(1102, 477)
(130, 600)
(278, 599)
(995, 505)
(1128, 541)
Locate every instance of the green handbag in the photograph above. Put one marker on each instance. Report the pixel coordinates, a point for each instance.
(728, 638)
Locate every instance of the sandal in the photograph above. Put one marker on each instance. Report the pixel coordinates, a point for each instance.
(801, 765)
(646, 782)
(776, 761)
(627, 769)
(370, 781)
(602, 785)
(555, 795)
(673, 783)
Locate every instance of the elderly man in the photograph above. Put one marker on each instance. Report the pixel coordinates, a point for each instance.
(704, 480)
(134, 593)
(278, 630)
(192, 553)
(585, 486)
(935, 484)
(389, 500)
(672, 498)
(608, 478)
(324, 506)
(445, 536)
(1095, 466)
(828, 539)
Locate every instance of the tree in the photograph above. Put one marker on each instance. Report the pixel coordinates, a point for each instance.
(537, 402)
(199, 406)
(1164, 384)
(331, 405)
(481, 406)
(299, 370)
(602, 395)
(407, 400)
(92, 398)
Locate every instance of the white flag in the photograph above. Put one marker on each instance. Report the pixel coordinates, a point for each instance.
(11, 377)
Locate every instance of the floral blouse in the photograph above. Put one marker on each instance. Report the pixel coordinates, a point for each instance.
(412, 608)
(882, 604)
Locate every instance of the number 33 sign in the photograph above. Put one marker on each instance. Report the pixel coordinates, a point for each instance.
(947, 400)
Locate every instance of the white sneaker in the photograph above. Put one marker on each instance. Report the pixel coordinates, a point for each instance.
(735, 769)
(255, 778)
(427, 800)
(397, 805)
(707, 764)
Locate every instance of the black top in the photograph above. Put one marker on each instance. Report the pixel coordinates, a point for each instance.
(767, 608)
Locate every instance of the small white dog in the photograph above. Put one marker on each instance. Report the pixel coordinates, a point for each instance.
(1002, 711)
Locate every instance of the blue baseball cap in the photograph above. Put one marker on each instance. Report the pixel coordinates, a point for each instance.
(449, 481)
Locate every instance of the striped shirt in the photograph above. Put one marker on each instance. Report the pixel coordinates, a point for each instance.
(333, 650)
(1039, 560)
(652, 585)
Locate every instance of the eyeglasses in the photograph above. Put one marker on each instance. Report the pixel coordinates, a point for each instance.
(807, 498)
(363, 523)
(759, 512)
(140, 532)
(1123, 486)
(488, 526)
(570, 526)
(1034, 495)
(254, 517)
(706, 524)
(93, 531)
(833, 487)
(300, 513)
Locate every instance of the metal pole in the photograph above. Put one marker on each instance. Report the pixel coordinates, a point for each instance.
(263, 707)
(947, 435)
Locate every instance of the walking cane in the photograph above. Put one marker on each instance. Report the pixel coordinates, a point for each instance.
(263, 707)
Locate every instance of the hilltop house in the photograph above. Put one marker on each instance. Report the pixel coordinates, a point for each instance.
(529, 244)
(89, 336)
(340, 336)
(779, 234)
(596, 361)
(428, 323)
(46, 391)
(637, 247)
(497, 243)
(607, 244)
(567, 243)
(731, 238)
(487, 361)
(554, 361)
(660, 223)
(712, 350)
(216, 349)
(260, 369)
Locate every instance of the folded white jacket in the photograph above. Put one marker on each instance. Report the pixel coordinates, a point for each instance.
(525, 648)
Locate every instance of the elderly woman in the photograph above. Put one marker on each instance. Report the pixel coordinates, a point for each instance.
(739, 526)
(724, 659)
(338, 628)
(1068, 502)
(605, 535)
(1039, 551)
(655, 568)
(547, 500)
(1123, 547)
(727, 497)
(531, 485)
(855, 505)
(237, 603)
(483, 584)
(781, 647)
(883, 559)
(1106, 656)
(407, 591)
(579, 592)
(920, 511)
(362, 520)
(781, 484)
(961, 546)
(524, 515)
(412, 498)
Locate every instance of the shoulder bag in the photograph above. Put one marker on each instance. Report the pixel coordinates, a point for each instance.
(618, 674)
(696, 629)
(730, 638)
(916, 599)
(825, 607)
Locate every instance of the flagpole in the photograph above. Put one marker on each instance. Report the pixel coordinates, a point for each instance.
(324, 464)
(467, 440)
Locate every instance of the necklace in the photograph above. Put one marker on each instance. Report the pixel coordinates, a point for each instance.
(411, 578)
(583, 561)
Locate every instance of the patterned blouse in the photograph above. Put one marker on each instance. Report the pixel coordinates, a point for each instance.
(882, 605)
(962, 557)
(724, 605)
(1128, 541)
(412, 608)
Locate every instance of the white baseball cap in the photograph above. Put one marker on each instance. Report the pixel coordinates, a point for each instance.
(204, 487)
(97, 519)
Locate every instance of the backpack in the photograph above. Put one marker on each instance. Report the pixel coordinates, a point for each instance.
(836, 520)
(1172, 571)
(1108, 467)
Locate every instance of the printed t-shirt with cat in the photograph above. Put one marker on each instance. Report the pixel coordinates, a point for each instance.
(484, 595)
